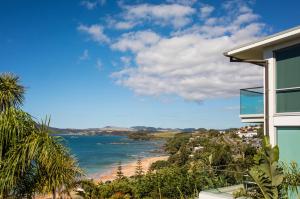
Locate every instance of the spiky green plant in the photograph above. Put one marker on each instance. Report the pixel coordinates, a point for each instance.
(31, 161)
(266, 173)
(11, 92)
(291, 181)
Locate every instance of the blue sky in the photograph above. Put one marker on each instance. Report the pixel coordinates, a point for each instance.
(124, 63)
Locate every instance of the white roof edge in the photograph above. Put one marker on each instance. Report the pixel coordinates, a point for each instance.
(264, 41)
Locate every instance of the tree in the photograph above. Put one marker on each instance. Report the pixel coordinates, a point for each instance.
(31, 161)
(139, 168)
(120, 174)
(11, 92)
(159, 165)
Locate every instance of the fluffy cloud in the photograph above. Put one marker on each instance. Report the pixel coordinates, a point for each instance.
(124, 25)
(206, 10)
(190, 63)
(95, 32)
(177, 15)
(136, 41)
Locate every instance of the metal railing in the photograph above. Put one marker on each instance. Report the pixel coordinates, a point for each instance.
(252, 101)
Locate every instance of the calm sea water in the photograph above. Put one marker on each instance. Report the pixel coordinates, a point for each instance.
(98, 153)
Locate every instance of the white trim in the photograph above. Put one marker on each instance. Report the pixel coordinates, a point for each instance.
(252, 118)
(286, 114)
(287, 89)
(271, 40)
(287, 121)
(251, 115)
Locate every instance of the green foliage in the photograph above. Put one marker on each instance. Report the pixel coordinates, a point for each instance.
(266, 173)
(11, 92)
(139, 168)
(140, 136)
(260, 132)
(159, 165)
(291, 181)
(120, 174)
(187, 171)
(174, 144)
(181, 157)
(89, 190)
(240, 193)
(31, 161)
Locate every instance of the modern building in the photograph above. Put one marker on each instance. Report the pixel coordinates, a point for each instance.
(277, 102)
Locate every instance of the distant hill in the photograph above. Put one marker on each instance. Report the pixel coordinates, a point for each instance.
(114, 130)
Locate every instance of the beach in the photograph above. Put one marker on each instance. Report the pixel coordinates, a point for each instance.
(127, 169)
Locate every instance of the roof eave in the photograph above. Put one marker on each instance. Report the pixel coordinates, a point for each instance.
(270, 40)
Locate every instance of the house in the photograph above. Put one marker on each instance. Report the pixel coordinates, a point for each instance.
(197, 148)
(247, 134)
(277, 102)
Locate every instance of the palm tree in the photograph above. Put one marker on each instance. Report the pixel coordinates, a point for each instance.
(31, 161)
(11, 92)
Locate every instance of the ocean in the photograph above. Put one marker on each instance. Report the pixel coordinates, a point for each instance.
(98, 153)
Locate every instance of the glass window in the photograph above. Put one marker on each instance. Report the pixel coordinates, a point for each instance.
(288, 67)
(288, 101)
(288, 79)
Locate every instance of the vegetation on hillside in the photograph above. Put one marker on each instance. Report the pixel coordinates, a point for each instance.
(196, 162)
(201, 161)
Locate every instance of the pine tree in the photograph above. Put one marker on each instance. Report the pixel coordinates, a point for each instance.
(139, 168)
(120, 174)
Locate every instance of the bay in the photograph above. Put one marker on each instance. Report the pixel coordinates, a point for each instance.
(98, 153)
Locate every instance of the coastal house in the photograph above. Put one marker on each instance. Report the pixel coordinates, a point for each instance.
(276, 103)
(247, 134)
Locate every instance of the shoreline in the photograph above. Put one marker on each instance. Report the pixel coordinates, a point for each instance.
(128, 169)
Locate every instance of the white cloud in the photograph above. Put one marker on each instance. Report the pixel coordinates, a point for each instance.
(136, 41)
(206, 10)
(91, 5)
(85, 55)
(120, 25)
(123, 25)
(246, 18)
(190, 63)
(176, 15)
(95, 32)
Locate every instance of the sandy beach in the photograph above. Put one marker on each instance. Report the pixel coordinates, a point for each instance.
(127, 169)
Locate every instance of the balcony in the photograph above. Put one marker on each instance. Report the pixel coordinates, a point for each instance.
(252, 105)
